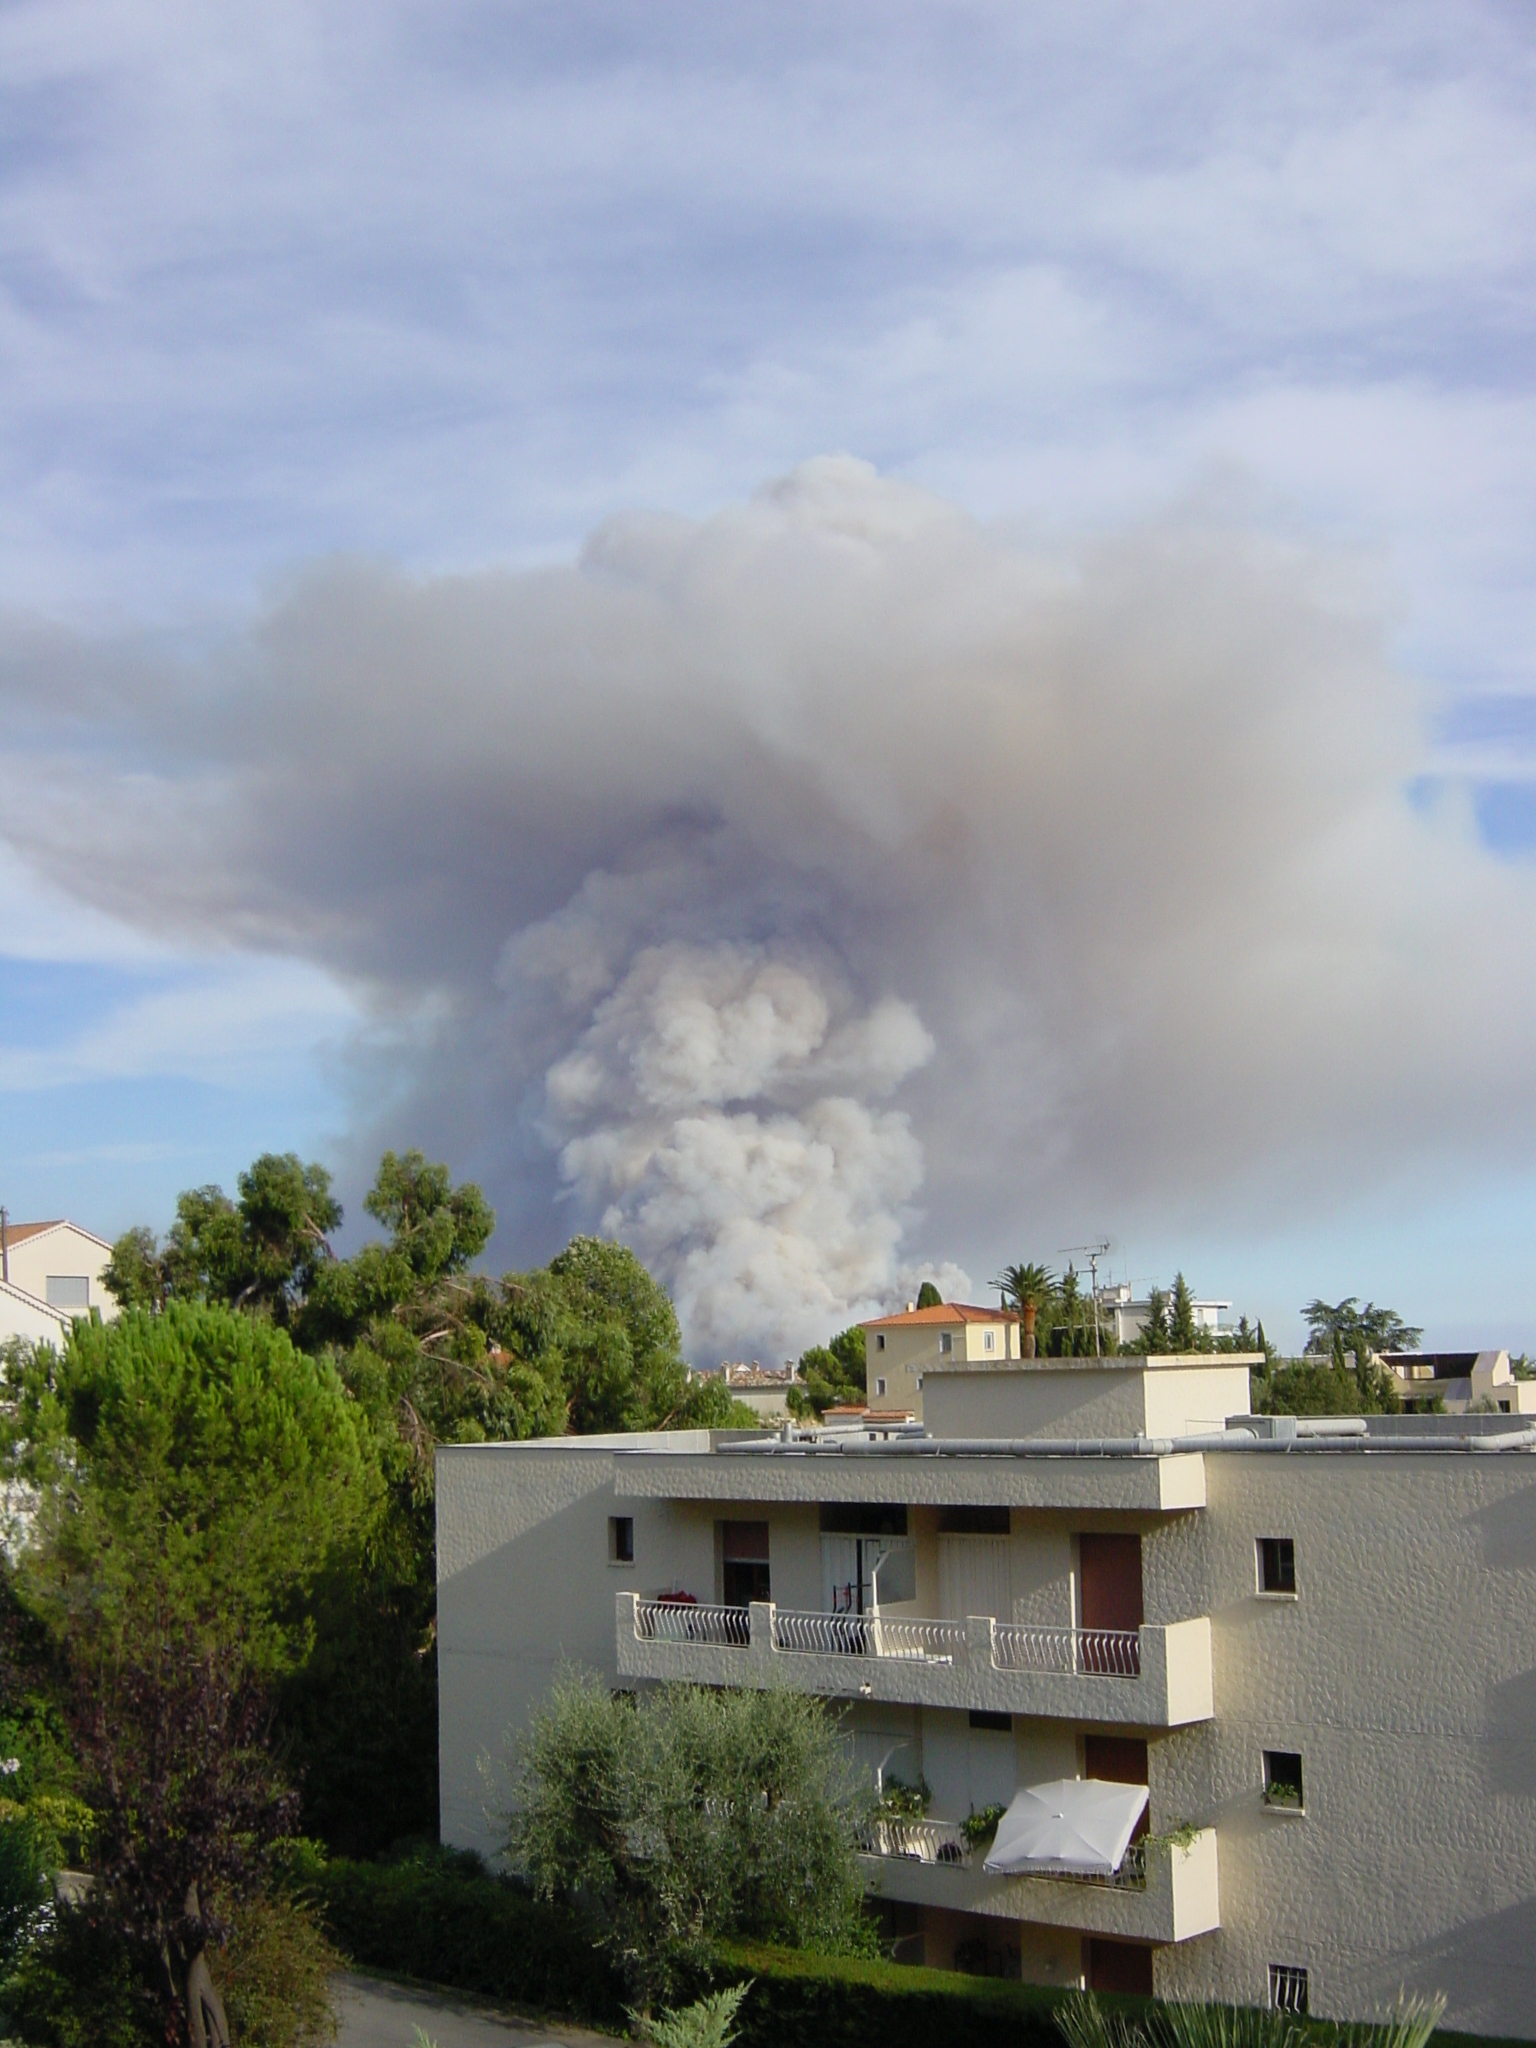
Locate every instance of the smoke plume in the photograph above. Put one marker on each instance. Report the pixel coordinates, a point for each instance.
(834, 887)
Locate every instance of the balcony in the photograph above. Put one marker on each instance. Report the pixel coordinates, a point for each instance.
(1158, 1676)
(1160, 1893)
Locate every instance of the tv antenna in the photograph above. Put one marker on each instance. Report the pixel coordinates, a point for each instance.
(1092, 1253)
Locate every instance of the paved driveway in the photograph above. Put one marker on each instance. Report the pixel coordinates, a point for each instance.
(375, 2014)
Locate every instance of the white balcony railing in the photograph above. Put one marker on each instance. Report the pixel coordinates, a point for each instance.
(1110, 1652)
(867, 1635)
(1159, 1676)
(917, 1841)
(942, 1841)
(671, 1621)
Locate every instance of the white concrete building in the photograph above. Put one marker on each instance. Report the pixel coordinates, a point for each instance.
(49, 1274)
(1126, 1317)
(1312, 1648)
(1459, 1381)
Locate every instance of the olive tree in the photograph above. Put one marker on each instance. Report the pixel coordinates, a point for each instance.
(683, 1814)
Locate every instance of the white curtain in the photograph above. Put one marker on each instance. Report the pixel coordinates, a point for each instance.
(974, 1577)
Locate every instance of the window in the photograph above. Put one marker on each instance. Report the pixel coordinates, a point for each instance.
(621, 1539)
(880, 1386)
(973, 1522)
(986, 1341)
(744, 1563)
(1000, 1724)
(946, 1341)
(879, 1340)
(1277, 1564)
(1282, 1780)
(67, 1290)
(1287, 1987)
(863, 1518)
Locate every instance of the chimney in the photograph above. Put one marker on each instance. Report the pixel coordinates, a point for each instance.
(911, 1308)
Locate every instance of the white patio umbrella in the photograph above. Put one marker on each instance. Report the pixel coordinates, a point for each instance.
(1079, 1827)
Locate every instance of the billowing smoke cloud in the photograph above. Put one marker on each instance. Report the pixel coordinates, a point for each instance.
(834, 884)
(766, 1219)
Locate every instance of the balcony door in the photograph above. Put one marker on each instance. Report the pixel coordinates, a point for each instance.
(975, 1577)
(847, 1570)
(744, 1563)
(1110, 1578)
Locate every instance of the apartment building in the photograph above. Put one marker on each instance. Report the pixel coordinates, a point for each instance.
(1257, 1699)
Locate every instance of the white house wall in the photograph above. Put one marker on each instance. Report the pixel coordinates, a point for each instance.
(65, 1250)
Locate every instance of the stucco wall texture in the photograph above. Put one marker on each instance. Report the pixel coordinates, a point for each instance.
(1403, 1672)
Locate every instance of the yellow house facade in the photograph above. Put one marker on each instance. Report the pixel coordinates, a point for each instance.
(900, 1350)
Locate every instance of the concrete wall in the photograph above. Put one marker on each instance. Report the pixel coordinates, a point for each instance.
(1404, 1672)
(524, 1587)
(911, 1351)
(1086, 1397)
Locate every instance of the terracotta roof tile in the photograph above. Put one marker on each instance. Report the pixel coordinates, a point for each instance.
(948, 1312)
(18, 1233)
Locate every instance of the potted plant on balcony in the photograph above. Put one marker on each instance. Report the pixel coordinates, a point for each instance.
(979, 1828)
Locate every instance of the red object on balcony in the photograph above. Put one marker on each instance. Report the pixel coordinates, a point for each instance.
(677, 1599)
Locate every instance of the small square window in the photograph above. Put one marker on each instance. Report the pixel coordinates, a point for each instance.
(946, 1341)
(621, 1539)
(879, 1340)
(994, 1724)
(880, 1386)
(1277, 1564)
(1287, 1988)
(1282, 1780)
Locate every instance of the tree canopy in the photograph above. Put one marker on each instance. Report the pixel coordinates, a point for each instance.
(684, 1814)
(192, 1459)
(831, 1375)
(1335, 1328)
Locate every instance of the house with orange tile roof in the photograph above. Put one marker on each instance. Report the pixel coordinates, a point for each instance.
(899, 1349)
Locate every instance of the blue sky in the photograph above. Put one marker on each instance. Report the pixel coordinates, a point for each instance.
(446, 290)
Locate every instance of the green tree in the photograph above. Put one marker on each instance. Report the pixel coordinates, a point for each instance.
(1154, 1335)
(1183, 1336)
(1335, 1328)
(192, 1459)
(260, 1253)
(1031, 1290)
(135, 1274)
(617, 1333)
(831, 1375)
(928, 1296)
(191, 1478)
(685, 1814)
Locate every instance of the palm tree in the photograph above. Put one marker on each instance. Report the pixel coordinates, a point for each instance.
(1030, 1289)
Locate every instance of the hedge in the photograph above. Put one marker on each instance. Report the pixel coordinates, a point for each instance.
(443, 1919)
(440, 1917)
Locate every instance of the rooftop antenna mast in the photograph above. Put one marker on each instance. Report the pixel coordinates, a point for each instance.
(1092, 1253)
